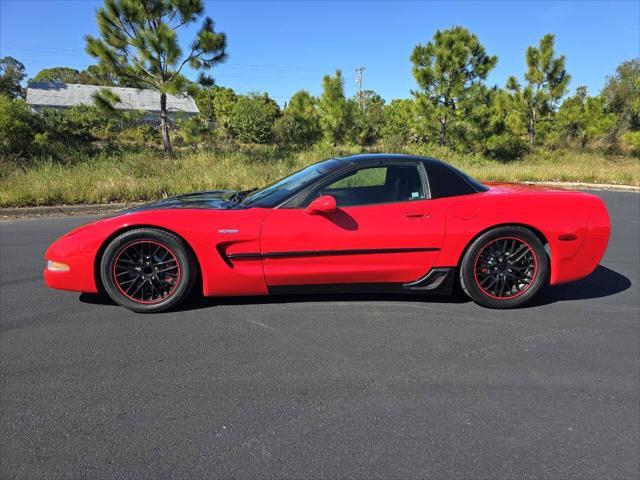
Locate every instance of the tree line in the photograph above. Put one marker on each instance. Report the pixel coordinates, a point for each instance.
(451, 105)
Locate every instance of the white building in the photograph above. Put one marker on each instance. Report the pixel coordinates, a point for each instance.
(41, 95)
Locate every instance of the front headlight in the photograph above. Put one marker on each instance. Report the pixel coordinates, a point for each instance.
(57, 266)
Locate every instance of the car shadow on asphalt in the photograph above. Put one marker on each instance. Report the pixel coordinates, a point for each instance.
(196, 301)
(204, 302)
(603, 282)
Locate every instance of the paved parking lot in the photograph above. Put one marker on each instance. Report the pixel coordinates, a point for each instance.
(311, 387)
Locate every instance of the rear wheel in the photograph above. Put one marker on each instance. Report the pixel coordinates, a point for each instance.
(147, 270)
(504, 267)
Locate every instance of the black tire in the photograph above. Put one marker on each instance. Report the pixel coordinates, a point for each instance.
(504, 267)
(155, 262)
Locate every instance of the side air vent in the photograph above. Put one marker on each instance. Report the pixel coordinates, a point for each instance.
(436, 279)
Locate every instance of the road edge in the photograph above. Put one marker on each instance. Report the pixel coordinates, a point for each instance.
(63, 210)
(588, 186)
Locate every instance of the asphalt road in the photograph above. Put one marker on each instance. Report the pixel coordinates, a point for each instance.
(311, 387)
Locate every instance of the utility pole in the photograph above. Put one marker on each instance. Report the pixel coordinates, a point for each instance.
(359, 71)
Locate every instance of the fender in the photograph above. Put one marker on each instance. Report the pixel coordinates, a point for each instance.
(213, 236)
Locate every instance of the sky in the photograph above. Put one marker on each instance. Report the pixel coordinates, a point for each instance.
(282, 47)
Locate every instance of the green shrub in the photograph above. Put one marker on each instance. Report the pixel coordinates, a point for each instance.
(506, 147)
(140, 134)
(17, 127)
(89, 122)
(192, 131)
(395, 143)
(287, 131)
(80, 123)
(252, 119)
(64, 136)
(632, 138)
(292, 130)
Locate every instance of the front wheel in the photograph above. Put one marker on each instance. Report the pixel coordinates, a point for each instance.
(147, 270)
(504, 268)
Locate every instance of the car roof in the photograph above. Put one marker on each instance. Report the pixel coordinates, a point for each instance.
(433, 166)
(396, 157)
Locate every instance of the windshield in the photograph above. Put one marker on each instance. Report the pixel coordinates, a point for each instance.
(276, 193)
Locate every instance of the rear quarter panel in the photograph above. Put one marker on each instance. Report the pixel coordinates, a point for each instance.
(553, 213)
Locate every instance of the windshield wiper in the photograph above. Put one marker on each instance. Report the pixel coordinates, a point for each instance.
(239, 196)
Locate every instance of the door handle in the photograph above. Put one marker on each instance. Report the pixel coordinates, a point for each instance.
(417, 214)
(414, 214)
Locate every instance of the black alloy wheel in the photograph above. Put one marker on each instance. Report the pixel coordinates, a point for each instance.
(504, 267)
(147, 270)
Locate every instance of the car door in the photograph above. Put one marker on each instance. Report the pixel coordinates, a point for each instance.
(384, 230)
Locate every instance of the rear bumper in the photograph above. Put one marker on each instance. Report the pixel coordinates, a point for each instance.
(590, 251)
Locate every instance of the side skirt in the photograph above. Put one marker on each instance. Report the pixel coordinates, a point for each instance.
(437, 281)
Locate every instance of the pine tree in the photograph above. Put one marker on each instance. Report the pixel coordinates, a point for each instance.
(399, 120)
(369, 118)
(445, 69)
(335, 111)
(302, 106)
(581, 119)
(139, 44)
(206, 83)
(300, 122)
(622, 94)
(547, 82)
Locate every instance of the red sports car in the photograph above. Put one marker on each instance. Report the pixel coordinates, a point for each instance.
(368, 222)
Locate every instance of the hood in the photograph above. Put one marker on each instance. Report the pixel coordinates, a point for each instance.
(214, 200)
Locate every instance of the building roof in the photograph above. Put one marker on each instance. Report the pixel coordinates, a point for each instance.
(63, 95)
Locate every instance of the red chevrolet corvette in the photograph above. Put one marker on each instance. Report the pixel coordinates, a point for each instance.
(363, 223)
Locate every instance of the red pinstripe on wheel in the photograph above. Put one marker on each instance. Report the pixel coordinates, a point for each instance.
(505, 268)
(146, 271)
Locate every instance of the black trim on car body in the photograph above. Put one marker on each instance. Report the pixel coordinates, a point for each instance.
(439, 279)
(323, 253)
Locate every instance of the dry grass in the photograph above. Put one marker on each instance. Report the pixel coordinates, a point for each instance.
(145, 176)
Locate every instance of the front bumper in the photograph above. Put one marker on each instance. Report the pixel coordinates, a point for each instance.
(78, 256)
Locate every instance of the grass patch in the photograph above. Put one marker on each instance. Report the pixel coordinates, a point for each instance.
(148, 175)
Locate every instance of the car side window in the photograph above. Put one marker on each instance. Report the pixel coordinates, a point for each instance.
(371, 185)
(366, 177)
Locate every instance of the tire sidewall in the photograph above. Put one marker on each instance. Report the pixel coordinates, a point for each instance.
(467, 267)
(172, 242)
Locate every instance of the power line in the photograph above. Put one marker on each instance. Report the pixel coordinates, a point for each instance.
(289, 70)
(24, 46)
(248, 76)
